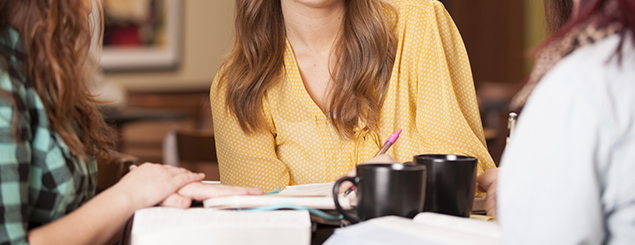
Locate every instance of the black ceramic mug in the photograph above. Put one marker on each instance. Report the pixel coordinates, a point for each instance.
(385, 189)
(450, 184)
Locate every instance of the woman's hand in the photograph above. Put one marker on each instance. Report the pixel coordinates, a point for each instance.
(200, 191)
(487, 183)
(149, 183)
(382, 158)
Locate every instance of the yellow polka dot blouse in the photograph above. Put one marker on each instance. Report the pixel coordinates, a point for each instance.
(431, 97)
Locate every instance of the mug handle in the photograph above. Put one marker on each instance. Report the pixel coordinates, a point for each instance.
(336, 187)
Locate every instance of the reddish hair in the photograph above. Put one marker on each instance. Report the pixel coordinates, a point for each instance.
(624, 16)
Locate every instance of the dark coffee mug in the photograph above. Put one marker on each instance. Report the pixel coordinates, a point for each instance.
(450, 184)
(385, 189)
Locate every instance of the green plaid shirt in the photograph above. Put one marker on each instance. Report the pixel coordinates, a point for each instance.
(40, 180)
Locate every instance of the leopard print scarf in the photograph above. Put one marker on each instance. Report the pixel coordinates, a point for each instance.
(587, 32)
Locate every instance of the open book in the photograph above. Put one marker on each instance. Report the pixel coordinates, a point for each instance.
(316, 196)
(158, 225)
(425, 228)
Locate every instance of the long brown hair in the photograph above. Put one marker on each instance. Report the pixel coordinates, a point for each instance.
(366, 48)
(55, 35)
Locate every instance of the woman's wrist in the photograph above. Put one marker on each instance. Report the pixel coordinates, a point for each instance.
(121, 198)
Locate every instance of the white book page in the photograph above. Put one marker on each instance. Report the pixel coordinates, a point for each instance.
(324, 202)
(324, 189)
(459, 225)
(159, 225)
(372, 233)
(399, 230)
(317, 196)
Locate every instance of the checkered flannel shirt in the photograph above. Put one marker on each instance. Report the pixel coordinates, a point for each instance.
(40, 181)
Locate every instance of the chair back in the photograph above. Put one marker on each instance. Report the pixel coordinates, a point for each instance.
(108, 173)
(192, 149)
(196, 146)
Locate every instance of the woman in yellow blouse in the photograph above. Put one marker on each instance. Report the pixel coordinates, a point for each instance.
(314, 87)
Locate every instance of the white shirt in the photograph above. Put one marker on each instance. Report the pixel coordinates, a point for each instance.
(568, 174)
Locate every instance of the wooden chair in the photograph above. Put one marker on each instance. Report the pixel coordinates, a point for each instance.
(109, 173)
(192, 149)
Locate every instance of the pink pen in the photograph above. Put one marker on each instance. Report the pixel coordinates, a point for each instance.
(384, 148)
(391, 140)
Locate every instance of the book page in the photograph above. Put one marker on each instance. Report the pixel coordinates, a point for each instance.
(461, 225)
(323, 189)
(323, 202)
(399, 230)
(369, 233)
(317, 196)
(160, 225)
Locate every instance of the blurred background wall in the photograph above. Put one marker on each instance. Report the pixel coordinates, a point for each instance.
(206, 38)
(498, 35)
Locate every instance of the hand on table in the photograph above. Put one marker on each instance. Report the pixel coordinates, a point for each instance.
(149, 184)
(382, 158)
(487, 183)
(183, 196)
(200, 191)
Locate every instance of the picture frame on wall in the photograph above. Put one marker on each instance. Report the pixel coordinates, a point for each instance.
(141, 34)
